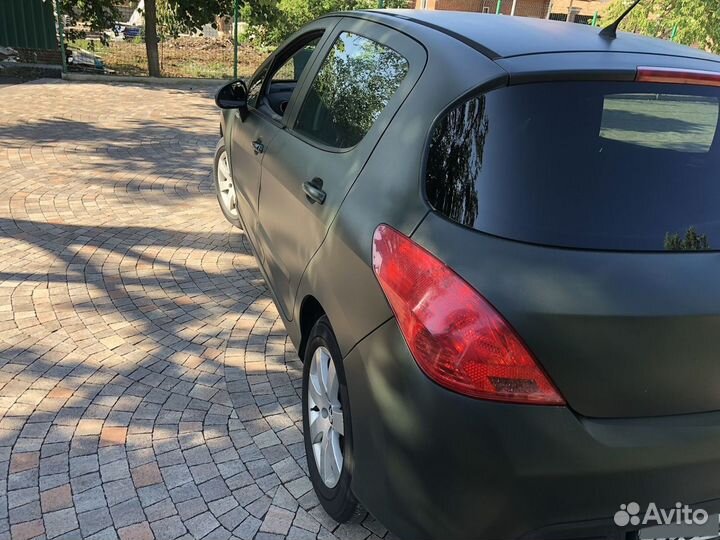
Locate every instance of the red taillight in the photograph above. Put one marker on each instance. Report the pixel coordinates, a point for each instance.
(455, 335)
(677, 76)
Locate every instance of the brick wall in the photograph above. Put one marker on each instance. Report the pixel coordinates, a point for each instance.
(524, 8)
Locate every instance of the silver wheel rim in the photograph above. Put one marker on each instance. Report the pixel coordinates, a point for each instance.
(325, 415)
(225, 185)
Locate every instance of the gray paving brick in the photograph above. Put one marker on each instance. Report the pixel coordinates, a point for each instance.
(127, 513)
(176, 475)
(119, 491)
(248, 528)
(168, 528)
(230, 520)
(90, 499)
(277, 521)
(202, 524)
(159, 510)
(191, 508)
(116, 470)
(60, 522)
(214, 489)
(20, 497)
(94, 521)
(128, 343)
(26, 512)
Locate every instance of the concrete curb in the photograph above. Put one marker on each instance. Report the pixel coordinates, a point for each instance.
(167, 81)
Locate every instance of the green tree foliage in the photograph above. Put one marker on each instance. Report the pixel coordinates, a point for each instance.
(698, 21)
(692, 241)
(185, 16)
(96, 14)
(271, 21)
(354, 84)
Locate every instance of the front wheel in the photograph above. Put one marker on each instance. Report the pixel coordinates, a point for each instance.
(326, 425)
(224, 185)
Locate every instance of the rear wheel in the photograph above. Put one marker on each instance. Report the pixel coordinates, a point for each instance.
(326, 425)
(224, 185)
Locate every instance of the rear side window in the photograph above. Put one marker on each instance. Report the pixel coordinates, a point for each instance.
(619, 166)
(355, 82)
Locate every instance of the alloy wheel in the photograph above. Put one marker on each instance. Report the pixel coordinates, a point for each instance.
(325, 416)
(225, 185)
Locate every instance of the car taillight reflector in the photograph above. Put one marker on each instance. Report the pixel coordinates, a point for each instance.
(677, 76)
(457, 338)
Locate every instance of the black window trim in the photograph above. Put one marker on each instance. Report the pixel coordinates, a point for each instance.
(488, 86)
(272, 61)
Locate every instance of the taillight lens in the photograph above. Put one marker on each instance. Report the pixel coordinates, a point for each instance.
(457, 338)
(677, 76)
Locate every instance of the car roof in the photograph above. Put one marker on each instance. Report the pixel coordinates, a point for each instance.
(503, 36)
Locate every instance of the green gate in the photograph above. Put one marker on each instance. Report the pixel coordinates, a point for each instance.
(28, 24)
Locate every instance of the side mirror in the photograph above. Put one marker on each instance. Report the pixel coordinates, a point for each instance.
(233, 96)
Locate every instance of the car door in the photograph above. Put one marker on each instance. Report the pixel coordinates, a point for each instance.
(269, 93)
(366, 72)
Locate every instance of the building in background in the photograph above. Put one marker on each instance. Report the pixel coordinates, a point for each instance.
(579, 11)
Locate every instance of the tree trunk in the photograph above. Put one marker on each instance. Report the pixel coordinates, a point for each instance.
(151, 39)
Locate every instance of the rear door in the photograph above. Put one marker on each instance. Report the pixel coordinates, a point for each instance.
(367, 71)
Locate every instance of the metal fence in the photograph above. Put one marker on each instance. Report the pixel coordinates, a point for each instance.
(576, 18)
(28, 24)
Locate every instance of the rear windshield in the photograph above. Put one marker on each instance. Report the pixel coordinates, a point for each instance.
(621, 166)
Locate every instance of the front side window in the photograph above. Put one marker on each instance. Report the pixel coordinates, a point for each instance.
(255, 87)
(594, 165)
(355, 82)
(286, 74)
(292, 68)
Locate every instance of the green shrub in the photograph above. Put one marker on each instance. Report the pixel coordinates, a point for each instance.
(271, 21)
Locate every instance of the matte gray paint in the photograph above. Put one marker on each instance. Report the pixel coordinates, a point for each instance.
(434, 464)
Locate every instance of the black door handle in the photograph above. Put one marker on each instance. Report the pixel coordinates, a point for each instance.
(314, 191)
(258, 146)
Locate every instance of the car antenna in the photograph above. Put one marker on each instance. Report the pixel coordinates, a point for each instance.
(610, 31)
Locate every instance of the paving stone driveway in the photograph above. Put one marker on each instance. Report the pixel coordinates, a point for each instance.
(147, 386)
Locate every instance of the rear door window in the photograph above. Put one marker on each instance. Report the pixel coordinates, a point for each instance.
(355, 82)
(619, 166)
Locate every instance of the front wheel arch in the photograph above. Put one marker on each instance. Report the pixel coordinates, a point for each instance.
(310, 312)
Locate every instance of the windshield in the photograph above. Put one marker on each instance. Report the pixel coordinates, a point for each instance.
(621, 166)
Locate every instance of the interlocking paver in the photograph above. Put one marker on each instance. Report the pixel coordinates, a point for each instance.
(147, 387)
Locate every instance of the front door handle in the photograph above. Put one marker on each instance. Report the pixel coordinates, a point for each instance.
(258, 146)
(314, 191)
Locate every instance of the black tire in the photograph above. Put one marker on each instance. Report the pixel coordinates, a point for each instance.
(219, 151)
(339, 502)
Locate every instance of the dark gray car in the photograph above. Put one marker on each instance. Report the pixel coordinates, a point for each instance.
(492, 241)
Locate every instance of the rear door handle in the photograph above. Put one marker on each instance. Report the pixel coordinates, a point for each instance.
(258, 146)
(314, 191)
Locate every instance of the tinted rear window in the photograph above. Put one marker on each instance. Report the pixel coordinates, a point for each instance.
(622, 166)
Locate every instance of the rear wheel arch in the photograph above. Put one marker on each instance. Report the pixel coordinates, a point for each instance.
(310, 312)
